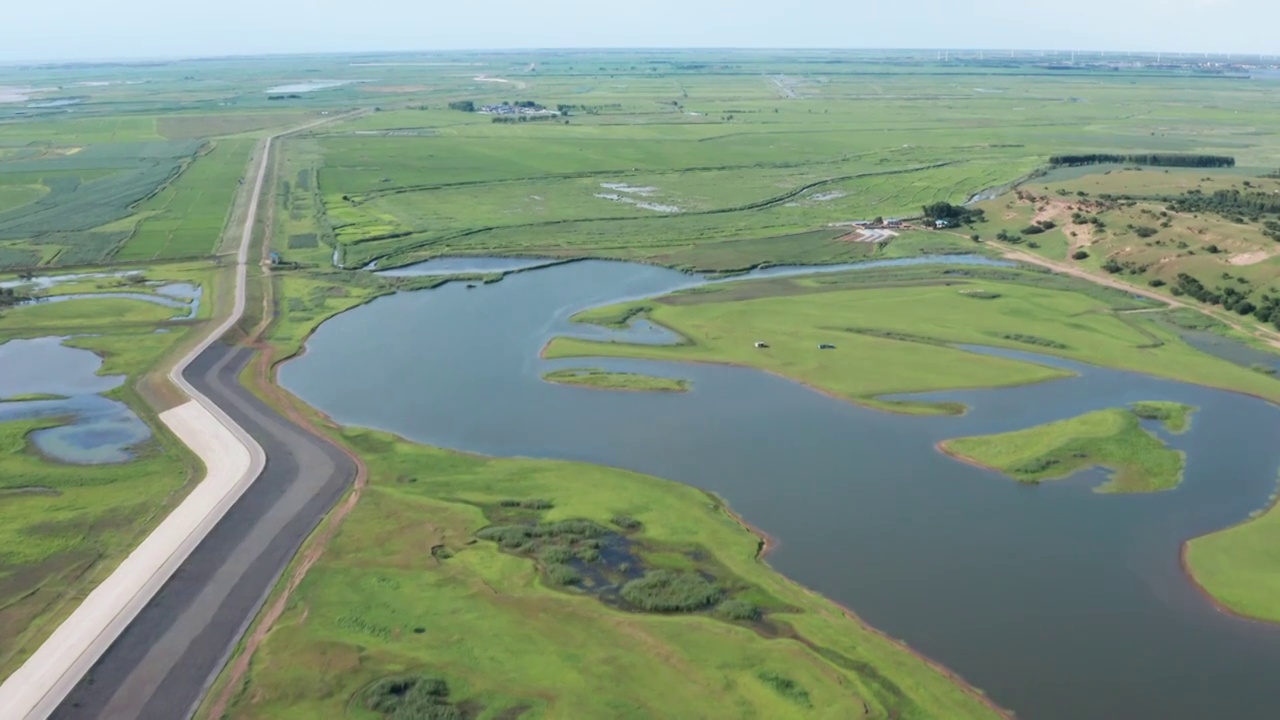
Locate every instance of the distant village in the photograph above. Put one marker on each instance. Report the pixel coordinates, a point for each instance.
(524, 107)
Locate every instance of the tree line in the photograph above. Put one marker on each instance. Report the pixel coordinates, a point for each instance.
(1152, 159)
(1227, 202)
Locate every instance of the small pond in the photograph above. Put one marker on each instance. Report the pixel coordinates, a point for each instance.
(99, 429)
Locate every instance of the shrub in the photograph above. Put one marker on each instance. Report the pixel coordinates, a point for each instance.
(555, 555)
(626, 522)
(738, 610)
(786, 687)
(562, 575)
(410, 697)
(668, 591)
(1079, 255)
(1157, 282)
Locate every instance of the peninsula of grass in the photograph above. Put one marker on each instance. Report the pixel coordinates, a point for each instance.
(31, 397)
(1113, 438)
(895, 334)
(1176, 417)
(565, 590)
(606, 380)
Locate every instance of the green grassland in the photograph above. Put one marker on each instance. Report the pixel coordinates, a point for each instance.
(742, 156)
(879, 322)
(63, 528)
(405, 588)
(605, 380)
(1113, 439)
(1237, 566)
(1176, 417)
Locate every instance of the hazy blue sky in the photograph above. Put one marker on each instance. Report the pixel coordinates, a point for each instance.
(78, 29)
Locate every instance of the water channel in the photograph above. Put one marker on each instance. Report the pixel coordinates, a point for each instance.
(1061, 603)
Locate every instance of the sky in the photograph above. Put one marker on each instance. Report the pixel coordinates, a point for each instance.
(119, 29)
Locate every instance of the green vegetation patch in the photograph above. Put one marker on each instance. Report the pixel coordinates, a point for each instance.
(378, 605)
(606, 380)
(1112, 438)
(1176, 417)
(411, 697)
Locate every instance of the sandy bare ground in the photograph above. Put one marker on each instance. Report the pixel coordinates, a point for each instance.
(1060, 213)
(1250, 258)
(1267, 336)
(232, 459)
(485, 78)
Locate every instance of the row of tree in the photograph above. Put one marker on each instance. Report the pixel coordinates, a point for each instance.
(1152, 159)
(1227, 202)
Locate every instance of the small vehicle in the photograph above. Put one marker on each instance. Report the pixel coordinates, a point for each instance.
(761, 344)
(826, 346)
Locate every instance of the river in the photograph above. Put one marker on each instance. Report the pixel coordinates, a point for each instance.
(1059, 602)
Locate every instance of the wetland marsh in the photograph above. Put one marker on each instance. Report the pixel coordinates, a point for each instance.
(921, 542)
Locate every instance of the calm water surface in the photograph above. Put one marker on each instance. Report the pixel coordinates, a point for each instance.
(1059, 602)
(101, 430)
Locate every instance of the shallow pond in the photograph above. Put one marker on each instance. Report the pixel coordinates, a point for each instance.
(101, 430)
(1059, 602)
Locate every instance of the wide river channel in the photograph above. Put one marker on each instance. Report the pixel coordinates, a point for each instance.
(1059, 602)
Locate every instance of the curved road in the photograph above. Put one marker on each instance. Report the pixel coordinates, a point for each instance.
(149, 640)
(160, 667)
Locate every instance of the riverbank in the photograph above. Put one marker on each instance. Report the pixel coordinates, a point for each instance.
(369, 589)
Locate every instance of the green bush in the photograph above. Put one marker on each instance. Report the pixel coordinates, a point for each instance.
(562, 575)
(410, 697)
(738, 610)
(1079, 255)
(668, 591)
(786, 687)
(555, 555)
(626, 522)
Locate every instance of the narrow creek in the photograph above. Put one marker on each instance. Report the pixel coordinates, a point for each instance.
(1059, 602)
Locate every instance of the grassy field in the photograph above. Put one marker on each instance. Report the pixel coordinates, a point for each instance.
(595, 378)
(1113, 439)
(890, 329)
(1237, 566)
(405, 588)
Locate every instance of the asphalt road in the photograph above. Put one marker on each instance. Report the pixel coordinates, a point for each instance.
(162, 664)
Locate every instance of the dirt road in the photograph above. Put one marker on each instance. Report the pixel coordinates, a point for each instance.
(1267, 336)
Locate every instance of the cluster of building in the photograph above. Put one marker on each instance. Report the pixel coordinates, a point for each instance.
(505, 109)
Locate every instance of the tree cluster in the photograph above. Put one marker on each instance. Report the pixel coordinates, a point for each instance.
(463, 105)
(1269, 311)
(1152, 159)
(956, 214)
(1228, 297)
(1228, 202)
(9, 297)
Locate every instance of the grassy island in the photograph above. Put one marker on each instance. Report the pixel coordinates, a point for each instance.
(1176, 417)
(1112, 438)
(605, 380)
